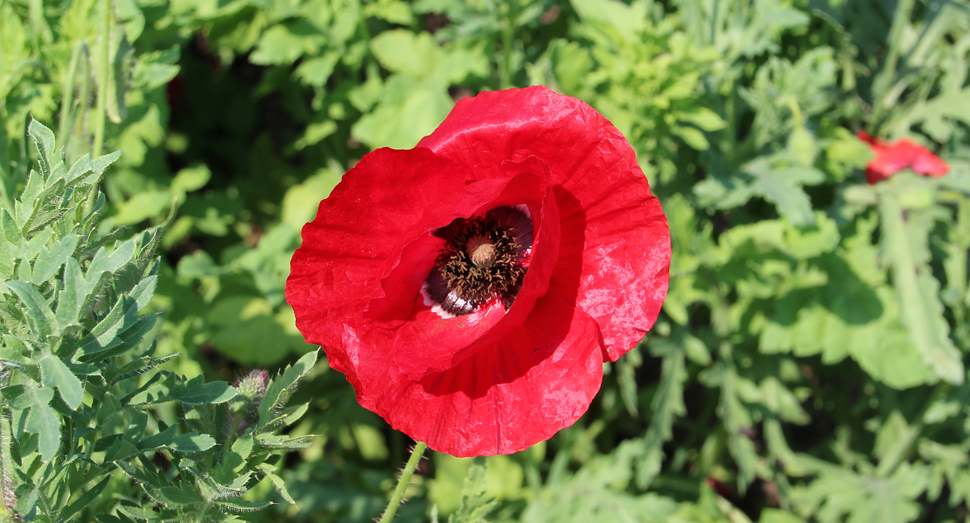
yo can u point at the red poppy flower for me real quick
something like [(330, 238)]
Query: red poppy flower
[(901, 154), (472, 287)]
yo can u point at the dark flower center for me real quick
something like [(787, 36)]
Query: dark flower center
[(482, 259)]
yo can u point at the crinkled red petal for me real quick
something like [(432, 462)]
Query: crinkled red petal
[(611, 223), (345, 275), (506, 397)]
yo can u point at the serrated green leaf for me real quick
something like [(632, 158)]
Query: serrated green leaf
[(280, 386), (99, 164), (838, 493), (38, 312), (626, 20), (70, 296), (122, 316), (81, 167), (137, 367), (175, 496), (44, 140), (55, 374), (164, 438), (42, 420), (197, 392), (473, 506), (916, 288), (119, 451), (273, 441), (49, 261), (285, 43), (12, 350), (243, 446), (668, 402), (105, 263), (26, 204), (193, 442), (280, 486), (407, 53), (140, 513), (10, 229), (242, 505)]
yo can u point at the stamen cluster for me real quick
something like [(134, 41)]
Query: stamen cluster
[(475, 278)]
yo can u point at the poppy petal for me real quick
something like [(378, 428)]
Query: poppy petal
[(507, 396), (368, 228), (625, 241)]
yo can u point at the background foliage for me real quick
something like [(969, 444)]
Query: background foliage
[(809, 364)]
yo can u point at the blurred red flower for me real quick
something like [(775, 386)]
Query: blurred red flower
[(901, 154), (472, 287)]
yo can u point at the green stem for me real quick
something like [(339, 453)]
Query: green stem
[(402, 483), (508, 37), (83, 95), (881, 85), (103, 79), (64, 131), (7, 497), (231, 433)]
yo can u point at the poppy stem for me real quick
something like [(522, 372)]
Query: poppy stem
[(104, 76), (402, 483)]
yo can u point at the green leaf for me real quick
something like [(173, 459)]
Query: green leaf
[(48, 261), (140, 513), (243, 446), (177, 497), (197, 392), (474, 505), (802, 147), (164, 438), (838, 493), (317, 70), (668, 402), (280, 486), (917, 290), (38, 312), (772, 515), (44, 140), (394, 11), (407, 53), (279, 388), (409, 109), (892, 431), (193, 442), (285, 43), (242, 505), (84, 500), (55, 374), (122, 316), (273, 441), (142, 206), (692, 137), (42, 420), (190, 179), (627, 21), (70, 296)]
